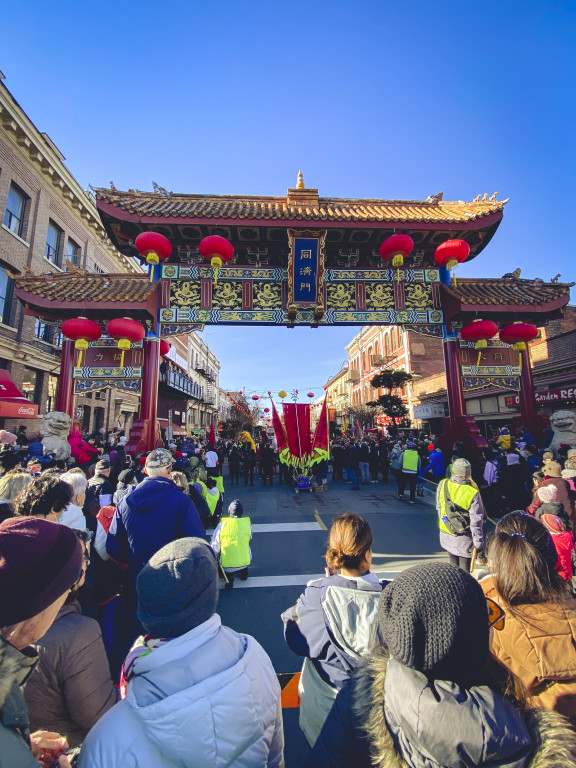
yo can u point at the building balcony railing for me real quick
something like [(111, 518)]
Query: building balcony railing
[(182, 383)]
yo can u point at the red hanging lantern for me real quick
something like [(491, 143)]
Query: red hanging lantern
[(479, 331), (451, 253), (126, 332), (395, 248), (82, 331), (255, 397), (518, 334), (153, 246), (165, 347), (310, 394), (266, 410), (217, 250)]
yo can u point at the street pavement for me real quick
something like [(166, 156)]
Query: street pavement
[(288, 544)]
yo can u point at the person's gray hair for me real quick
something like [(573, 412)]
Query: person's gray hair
[(77, 481)]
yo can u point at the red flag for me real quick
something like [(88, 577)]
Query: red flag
[(321, 444), (280, 433), (297, 425)]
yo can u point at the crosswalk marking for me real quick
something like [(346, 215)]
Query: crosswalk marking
[(285, 527)]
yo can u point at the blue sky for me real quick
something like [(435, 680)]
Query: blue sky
[(369, 99)]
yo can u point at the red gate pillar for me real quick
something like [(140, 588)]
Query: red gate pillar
[(458, 427), (65, 397), (453, 380), (145, 432), (528, 412)]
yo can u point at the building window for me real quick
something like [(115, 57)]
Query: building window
[(42, 331), (400, 336), (394, 345), (53, 238), (98, 269), (15, 208), (5, 296), (32, 385), (72, 252), (51, 395)]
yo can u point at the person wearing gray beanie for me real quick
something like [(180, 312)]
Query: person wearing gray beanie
[(431, 696), (460, 515), (195, 693), (231, 543)]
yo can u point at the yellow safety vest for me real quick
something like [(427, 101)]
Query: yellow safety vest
[(460, 494), (204, 488), (220, 483), (212, 501), (410, 461), (235, 542)]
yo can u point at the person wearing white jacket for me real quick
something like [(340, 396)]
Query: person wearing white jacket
[(196, 693)]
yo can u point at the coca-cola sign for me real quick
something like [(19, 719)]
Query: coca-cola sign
[(18, 410)]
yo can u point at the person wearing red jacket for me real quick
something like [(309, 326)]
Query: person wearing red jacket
[(563, 541), (88, 452)]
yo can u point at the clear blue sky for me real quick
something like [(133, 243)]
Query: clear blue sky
[(369, 99)]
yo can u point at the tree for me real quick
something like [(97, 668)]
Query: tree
[(392, 379), (391, 405), (240, 419), (362, 414)]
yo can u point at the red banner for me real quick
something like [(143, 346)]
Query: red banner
[(279, 431), (297, 425), (321, 446)]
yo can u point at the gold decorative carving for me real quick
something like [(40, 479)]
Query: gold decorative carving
[(227, 295), (341, 296), (267, 296), (418, 296), (185, 293), (379, 296)]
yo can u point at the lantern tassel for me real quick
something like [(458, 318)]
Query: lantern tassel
[(79, 363), (520, 362), (122, 359), (479, 358)]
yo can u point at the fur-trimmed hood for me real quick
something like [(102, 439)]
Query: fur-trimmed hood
[(535, 739)]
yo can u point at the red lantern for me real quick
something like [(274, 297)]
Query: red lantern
[(165, 347), (451, 253), (154, 246), (217, 250), (479, 331), (125, 331), (255, 397), (310, 394), (395, 248), (266, 410), (82, 331), (518, 334)]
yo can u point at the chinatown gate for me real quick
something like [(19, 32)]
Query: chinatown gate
[(299, 260)]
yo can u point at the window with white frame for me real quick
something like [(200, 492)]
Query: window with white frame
[(15, 209), (72, 252), (5, 296), (53, 239)]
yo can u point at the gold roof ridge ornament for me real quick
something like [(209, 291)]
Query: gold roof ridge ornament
[(300, 183)]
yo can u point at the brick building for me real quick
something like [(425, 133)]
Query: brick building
[(49, 225)]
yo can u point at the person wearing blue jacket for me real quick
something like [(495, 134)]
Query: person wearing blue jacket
[(153, 515)]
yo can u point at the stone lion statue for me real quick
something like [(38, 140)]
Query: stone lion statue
[(55, 428), (564, 425)]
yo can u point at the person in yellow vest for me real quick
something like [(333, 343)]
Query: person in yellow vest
[(231, 543), (410, 466), (460, 515)]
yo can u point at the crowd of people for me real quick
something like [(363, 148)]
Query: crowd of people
[(112, 652)]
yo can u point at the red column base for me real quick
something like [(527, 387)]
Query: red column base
[(144, 436), (463, 429)]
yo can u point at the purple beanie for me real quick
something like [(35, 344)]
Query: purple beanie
[(39, 562)]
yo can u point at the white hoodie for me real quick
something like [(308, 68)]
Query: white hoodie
[(209, 698)]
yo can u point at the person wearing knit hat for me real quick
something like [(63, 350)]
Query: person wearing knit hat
[(231, 543), (40, 562), (569, 473), (564, 496), (426, 698), (460, 514), (537, 639), (194, 692), (7, 438)]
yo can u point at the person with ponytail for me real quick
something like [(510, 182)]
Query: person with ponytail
[(333, 624), (537, 637)]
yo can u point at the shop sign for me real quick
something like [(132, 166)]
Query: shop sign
[(429, 411), (552, 396)]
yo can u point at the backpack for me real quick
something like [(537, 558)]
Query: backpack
[(456, 518)]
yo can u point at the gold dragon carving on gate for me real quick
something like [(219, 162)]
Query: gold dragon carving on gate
[(341, 296), (418, 296), (227, 295), (267, 296), (184, 294), (379, 296)]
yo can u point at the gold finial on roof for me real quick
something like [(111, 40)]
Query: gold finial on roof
[(300, 182)]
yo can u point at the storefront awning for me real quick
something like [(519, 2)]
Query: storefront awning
[(12, 401)]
